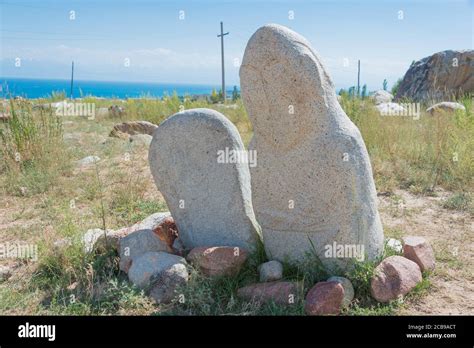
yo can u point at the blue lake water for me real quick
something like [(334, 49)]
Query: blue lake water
[(38, 88)]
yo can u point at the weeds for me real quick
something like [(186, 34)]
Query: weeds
[(461, 201), (32, 150)]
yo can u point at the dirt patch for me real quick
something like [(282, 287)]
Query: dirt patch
[(451, 234)]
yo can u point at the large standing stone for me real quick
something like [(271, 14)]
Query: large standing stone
[(313, 182), (210, 201)]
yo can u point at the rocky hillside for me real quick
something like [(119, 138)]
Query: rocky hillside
[(439, 76)]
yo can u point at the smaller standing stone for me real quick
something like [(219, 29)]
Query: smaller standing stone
[(419, 251), (325, 298), (164, 285), (200, 166), (218, 261), (348, 289), (149, 266), (270, 271), (283, 293), (393, 277)]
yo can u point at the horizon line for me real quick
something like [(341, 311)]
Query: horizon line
[(119, 81)]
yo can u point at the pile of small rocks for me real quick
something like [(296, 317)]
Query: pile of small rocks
[(155, 260), (397, 275)]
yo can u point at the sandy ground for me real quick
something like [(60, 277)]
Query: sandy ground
[(451, 234)]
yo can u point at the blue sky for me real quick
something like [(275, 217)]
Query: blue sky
[(161, 47)]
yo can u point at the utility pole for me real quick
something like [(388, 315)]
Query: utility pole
[(222, 58), (358, 78), (72, 81)]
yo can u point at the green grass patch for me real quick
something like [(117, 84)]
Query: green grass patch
[(461, 201)]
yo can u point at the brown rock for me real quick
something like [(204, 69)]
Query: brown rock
[(280, 292), (324, 298), (116, 111), (393, 277), (440, 75), (125, 129), (419, 251), (167, 231), (218, 261)]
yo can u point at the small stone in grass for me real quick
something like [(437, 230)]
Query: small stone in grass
[(218, 261), (164, 285), (394, 277), (270, 271), (419, 251), (325, 298), (283, 293), (348, 289)]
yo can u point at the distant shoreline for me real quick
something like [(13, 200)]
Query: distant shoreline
[(43, 88)]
